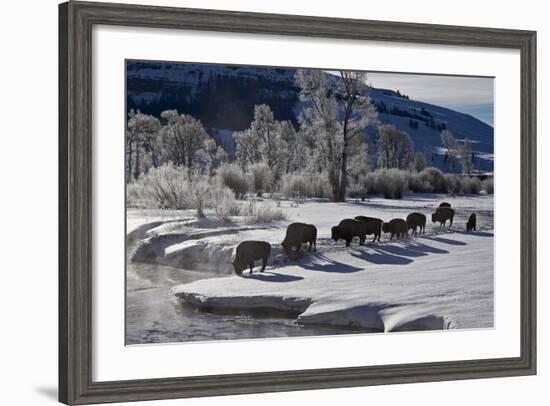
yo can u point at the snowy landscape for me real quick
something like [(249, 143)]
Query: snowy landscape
[(307, 147)]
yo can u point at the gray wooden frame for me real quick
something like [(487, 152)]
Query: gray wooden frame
[(75, 179)]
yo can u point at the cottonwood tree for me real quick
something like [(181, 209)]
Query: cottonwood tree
[(268, 131), (289, 154), (263, 142), (451, 145), (420, 162), (141, 130), (247, 148), (467, 157), (395, 148), (185, 137), (346, 97)]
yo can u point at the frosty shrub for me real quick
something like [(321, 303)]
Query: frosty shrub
[(471, 185), (165, 187), (232, 176), (261, 213), (298, 185), (420, 184), (262, 178), (429, 180), (224, 203), (294, 186), (392, 183), (488, 186), (200, 191), (454, 185)]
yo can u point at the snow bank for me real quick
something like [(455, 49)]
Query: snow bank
[(432, 282)]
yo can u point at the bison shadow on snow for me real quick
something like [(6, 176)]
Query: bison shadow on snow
[(270, 276), (475, 233), (328, 265), (396, 254), (445, 240)]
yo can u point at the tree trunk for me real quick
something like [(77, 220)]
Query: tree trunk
[(130, 154), (136, 168)]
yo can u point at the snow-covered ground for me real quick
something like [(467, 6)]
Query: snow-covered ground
[(441, 280)]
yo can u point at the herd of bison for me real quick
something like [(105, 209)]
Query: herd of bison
[(248, 252)]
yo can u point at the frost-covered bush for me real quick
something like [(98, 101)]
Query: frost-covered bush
[(392, 183), (261, 177), (294, 185), (471, 185), (429, 180), (454, 186), (165, 187), (232, 176), (298, 185), (488, 186), (457, 184), (224, 203), (261, 213)]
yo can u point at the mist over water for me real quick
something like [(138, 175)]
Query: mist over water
[(154, 315)]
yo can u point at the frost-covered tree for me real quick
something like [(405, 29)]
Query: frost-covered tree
[(185, 137), (358, 114), (141, 130), (211, 156), (467, 157), (420, 162), (451, 145), (395, 148), (289, 154), (263, 142), (247, 148), (339, 113), (268, 130)]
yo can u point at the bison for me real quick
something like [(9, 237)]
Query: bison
[(416, 220), (396, 227), (442, 214), (298, 234), (471, 224), (249, 251), (374, 226), (445, 204), (349, 228)]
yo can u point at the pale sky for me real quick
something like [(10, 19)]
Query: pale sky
[(471, 95)]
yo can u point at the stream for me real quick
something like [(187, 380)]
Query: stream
[(154, 315)]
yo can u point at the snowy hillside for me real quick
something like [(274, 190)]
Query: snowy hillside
[(223, 98)]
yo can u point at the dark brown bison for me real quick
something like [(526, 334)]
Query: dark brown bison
[(296, 235), (349, 228), (471, 224), (416, 220), (445, 204), (396, 227), (374, 226), (442, 214), (248, 252)]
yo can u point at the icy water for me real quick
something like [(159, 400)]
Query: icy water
[(154, 315)]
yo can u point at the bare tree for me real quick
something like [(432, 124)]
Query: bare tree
[(451, 145), (467, 157)]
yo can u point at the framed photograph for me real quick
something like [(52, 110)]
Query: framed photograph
[(260, 202)]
